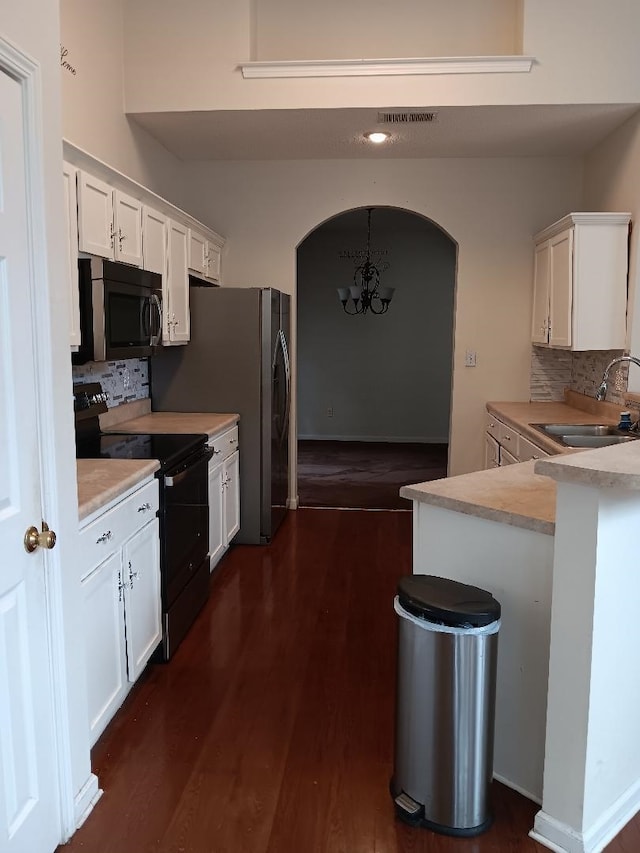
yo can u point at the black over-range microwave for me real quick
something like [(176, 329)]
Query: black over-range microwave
[(120, 311)]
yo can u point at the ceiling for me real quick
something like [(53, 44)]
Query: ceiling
[(318, 134)]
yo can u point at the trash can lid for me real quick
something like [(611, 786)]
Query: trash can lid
[(447, 602)]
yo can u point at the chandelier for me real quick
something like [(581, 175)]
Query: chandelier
[(366, 294)]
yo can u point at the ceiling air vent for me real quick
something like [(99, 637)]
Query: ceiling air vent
[(406, 118)]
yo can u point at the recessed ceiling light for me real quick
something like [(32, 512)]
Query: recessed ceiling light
[(377, 137)]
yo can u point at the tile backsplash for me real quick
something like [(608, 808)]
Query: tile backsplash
[(124, 381), (554, 370), (550, 373)]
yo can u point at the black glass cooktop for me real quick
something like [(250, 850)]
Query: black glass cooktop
[(169, 449)]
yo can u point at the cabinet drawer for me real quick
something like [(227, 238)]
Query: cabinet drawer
[(528, 450), (507, 458), (493, 425), (508, 438), (224, 444), (112, 528)]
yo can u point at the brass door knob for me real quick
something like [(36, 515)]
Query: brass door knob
[(35, 538)]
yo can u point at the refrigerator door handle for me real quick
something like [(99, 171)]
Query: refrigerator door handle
[(287, 373)]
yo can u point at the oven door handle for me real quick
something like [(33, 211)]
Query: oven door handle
[(175, 479)]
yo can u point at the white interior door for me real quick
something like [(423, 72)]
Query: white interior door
[(29, 815)]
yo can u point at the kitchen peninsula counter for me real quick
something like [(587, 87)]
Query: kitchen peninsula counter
[(513, 494), (101, 481)]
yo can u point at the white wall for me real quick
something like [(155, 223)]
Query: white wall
[(612, 182), (33, 26), (491, 208), (385, 377), (93, 98), (306, 29), (185, 56)]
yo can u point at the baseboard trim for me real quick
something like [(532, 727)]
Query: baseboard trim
[(504, 781), (86, 799), (561, 838), (387, 439)]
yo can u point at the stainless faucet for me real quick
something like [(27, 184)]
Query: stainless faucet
[(602, 390)]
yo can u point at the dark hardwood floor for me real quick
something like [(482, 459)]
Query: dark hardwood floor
[(365, 474), (271, 730)]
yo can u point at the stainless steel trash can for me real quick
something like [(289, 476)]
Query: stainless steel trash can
[(445, 704)]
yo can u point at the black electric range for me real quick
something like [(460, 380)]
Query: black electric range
[(184, 505), (168, 449)]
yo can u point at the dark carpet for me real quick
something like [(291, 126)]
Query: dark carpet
[(363, 474)]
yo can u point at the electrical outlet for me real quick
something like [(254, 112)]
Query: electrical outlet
[(329, 411), (470, 358)]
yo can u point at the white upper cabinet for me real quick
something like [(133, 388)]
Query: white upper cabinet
[(116, 218), (580, 282), (212, 272), (154, 241), (71, 221), (540, 318), (95, 216), (128, 229), (109, 221), (204, 256), (197, 253), (175, 287), (561, 286)]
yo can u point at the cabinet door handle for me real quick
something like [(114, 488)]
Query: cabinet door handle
[(104, 538), (112, 235), (121, 236), (132, 575), (121, 585)]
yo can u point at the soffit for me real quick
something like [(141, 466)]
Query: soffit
[(318, 134)]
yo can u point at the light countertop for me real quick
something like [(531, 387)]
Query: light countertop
[(615, 467), (513, 494), (523, 495), (209, 423), (102, 480)]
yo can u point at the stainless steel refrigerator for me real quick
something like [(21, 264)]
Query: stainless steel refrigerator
[(238, 361)]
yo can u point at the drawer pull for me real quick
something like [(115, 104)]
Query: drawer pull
[(104, 538), (507, 438), (215, 452), (233, 441), (144, 507)]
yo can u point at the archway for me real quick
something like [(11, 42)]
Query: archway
[(373, 392)]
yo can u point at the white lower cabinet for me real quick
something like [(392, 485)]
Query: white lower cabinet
[(504, 445), (224, 494), (122, 609), (104, 643), (217, 545)]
